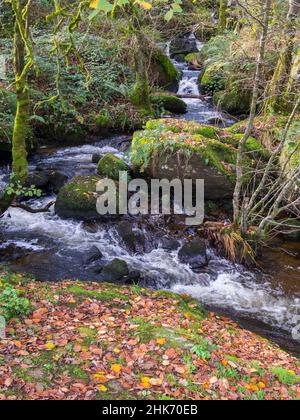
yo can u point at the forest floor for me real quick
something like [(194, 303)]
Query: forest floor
[(107, 342)]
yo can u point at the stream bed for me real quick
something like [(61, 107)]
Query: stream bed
[(266, 301)]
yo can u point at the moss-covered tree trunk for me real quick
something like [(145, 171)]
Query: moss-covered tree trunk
[(141, 90), (22, 64), (276, 93), (21, 123), (223, 15)]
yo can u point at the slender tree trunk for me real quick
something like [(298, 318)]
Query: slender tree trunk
[(237, 205), (280, 80), (223, 15)]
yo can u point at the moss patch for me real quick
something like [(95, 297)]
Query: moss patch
[(110, 165)]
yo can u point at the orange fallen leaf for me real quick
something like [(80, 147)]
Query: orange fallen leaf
[(116, 368)]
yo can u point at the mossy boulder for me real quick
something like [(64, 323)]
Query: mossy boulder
[(166, 74), (77, 199), (186, 150), (115, 271), (236, 101), (169, 103), (212, 80), (110, 165)]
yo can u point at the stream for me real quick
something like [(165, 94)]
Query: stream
[(42, 244)]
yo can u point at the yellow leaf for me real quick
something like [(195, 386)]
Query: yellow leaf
[(145, 5), (261, 385), (116, 368), (94, 4), (117, 351), (161, 341), (50, 346), (101, 379), (102, 388), (145, 381)]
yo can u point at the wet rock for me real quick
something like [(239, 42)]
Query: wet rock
[(133, 240), (57, 180), (115, 271), (124, 146), (133, 278), (183, 45), (170, 244), (39, 179), (194, 254), (93, 255), (95, 158), (46, 180)]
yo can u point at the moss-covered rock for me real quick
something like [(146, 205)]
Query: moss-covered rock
[(212, 80), (187, 150), (110, 165), (234, 101), (169, 103), (77, 199), (165, 73), (194, 60)]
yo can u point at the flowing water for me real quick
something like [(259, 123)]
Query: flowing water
[(53, 249)]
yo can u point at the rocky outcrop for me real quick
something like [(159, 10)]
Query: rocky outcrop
[(183, 46)]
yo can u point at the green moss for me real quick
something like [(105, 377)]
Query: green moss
[(234, 101), (110, 166), (168, 73), (286, 377), (77, 198), (169, 103), (103, 296), (213, 79), (207, 131)]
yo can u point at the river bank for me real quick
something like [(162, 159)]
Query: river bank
[(91, 341)]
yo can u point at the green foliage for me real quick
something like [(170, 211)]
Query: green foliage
[(12, 305), (203, 350), (286, 377), (16, 188)]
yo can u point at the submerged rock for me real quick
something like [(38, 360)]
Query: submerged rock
[(115, 271), (133, 240), (95, 158), (170, 244), (93, 255), (194, 254)]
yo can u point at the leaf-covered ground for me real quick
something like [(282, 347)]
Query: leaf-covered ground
[(98, 341)]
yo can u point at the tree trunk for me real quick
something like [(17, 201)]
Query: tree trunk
[(237, 205), (223, 15), (21, 124), (278, 86)]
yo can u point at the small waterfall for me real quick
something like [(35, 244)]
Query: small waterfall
[(189, 85)]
